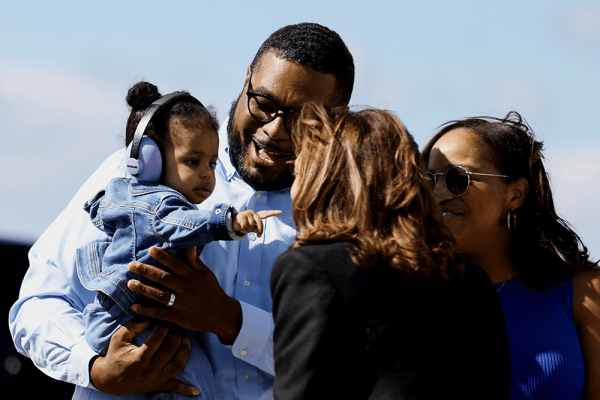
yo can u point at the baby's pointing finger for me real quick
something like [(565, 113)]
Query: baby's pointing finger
[(259, 224), (269, 213)]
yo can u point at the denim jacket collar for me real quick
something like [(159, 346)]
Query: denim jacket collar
[(137, 189)]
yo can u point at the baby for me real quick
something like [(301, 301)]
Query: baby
[(173, 167)]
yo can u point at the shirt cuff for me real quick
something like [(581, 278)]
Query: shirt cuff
[(79, 364), (254, 337)]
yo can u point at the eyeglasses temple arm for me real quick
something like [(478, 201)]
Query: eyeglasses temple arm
[(479, 173)]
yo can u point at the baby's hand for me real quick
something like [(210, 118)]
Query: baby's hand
[(250, 221)]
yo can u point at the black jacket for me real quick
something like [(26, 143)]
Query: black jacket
[(346, 333)]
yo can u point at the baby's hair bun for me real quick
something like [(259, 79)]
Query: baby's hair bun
[(141, 95)]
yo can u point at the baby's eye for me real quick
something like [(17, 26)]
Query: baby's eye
[(213, 164), (193, 162)]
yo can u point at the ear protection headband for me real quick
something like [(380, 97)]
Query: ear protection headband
[(145, 158)]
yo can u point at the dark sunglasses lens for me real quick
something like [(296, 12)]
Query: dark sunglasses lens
[(457, 181), (261, 108)]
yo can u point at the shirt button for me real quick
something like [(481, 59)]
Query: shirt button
[(80, 379), (246, 283), (218, 211), (246, 376), (252, 236), (244, 352), (258, 195)]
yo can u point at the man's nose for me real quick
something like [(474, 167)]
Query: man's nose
[(276, 129)]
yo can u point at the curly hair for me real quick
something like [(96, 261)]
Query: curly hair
[(315, 46), (142, 94), (544, 248), (362, 180)]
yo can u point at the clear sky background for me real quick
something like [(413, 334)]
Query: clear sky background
[(65, 67)]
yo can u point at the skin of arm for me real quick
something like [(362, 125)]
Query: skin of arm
[(586, 311)]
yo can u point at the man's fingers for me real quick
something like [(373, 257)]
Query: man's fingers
[(153, 293), (194, 261), (151, 312), (190, 255), (154, 340), (176, 362), (153, 273), (176, 265), (127, 332), (269, 213), (173, 385), (167, 351)]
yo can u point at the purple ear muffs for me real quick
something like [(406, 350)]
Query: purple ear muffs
[(148, 166), (145, 160)]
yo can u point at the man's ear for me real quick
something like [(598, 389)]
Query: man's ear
[(520, 190), (247, 78)]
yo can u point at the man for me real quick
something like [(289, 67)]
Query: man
[(231, 305)]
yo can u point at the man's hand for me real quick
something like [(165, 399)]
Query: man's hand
[(200, 302), (127, 368)]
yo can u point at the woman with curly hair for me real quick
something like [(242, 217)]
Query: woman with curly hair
[(493, 189), (371, 301)]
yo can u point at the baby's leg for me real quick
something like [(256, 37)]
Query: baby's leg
[(197, 371), (102, 318)]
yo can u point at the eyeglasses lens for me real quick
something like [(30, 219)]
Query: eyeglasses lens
[(262, 108), (456, 180)]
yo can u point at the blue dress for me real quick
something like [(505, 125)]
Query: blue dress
[(546, 357)]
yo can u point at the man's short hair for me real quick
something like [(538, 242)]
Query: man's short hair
[(315, 46)]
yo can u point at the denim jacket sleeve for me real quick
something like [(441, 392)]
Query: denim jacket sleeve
[(92, 206), (180, 225)]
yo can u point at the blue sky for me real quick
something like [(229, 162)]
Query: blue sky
[(65, 67)]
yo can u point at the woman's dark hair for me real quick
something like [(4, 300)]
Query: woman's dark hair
[(545, 249), (190, 115), (363, 180)]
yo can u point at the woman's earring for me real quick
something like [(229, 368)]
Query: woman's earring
[(511, 219)]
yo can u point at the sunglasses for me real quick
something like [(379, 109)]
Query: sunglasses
[(457, 179)]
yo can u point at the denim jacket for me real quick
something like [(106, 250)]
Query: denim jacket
[(136, 216)]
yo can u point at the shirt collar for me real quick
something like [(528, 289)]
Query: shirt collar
[(224, 157)]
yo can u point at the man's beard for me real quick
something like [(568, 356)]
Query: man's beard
[(237, 150)]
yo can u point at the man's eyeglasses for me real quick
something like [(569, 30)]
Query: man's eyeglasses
[(457, 179), (265, 110)]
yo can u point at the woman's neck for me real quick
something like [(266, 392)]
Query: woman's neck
[(497, 264)]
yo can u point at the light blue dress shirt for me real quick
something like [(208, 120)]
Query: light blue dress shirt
[(47, 321)]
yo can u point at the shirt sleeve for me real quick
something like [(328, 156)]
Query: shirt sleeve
[(254, 343), (46, 322)]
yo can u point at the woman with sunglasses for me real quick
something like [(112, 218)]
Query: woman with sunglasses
[(495, 196), (372, 301)]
